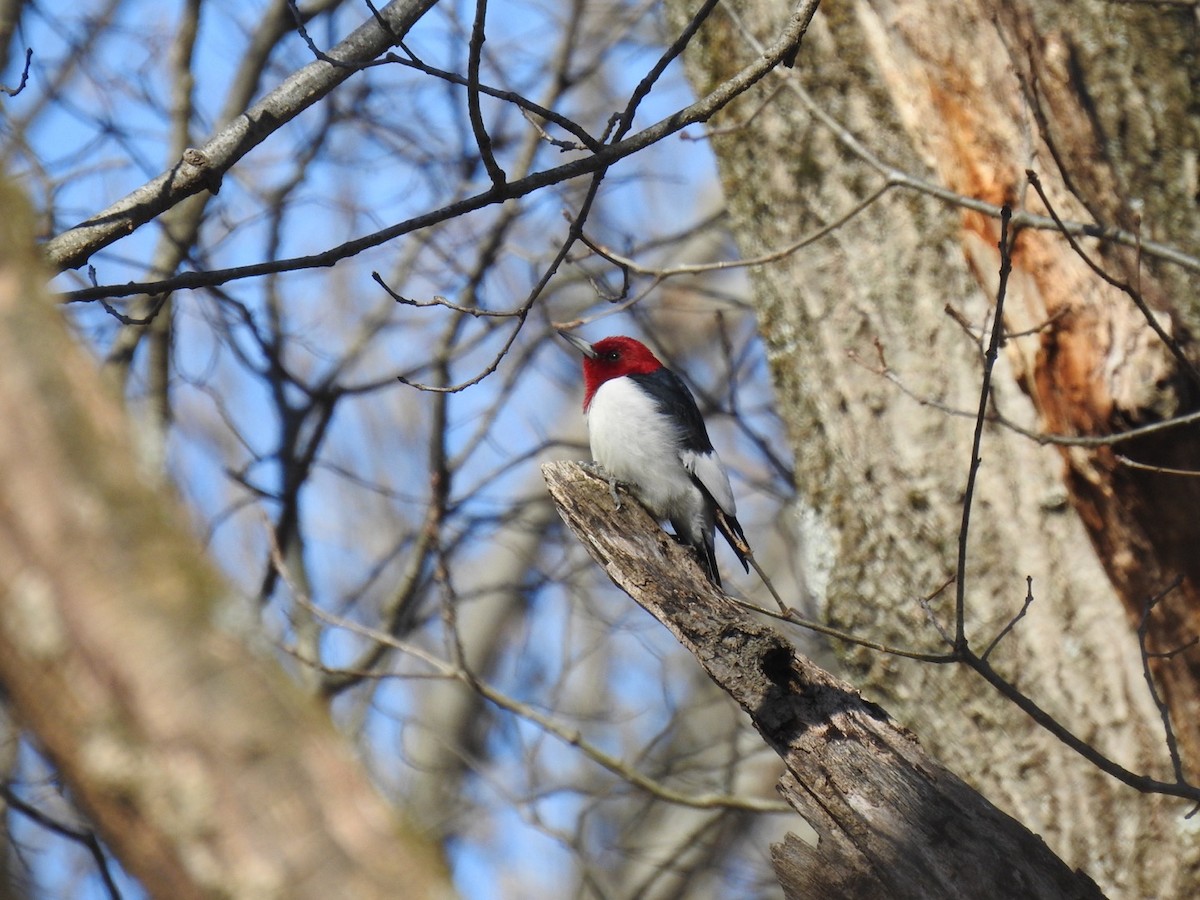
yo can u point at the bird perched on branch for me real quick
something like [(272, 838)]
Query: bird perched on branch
[(647, 433)]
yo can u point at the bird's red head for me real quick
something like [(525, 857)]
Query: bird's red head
[(609, 358)]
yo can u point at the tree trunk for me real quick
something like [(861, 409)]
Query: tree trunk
[(869, 361), (205, 768)]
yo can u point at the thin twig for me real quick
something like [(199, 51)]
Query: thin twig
[(482, 139), (745, 262), (743, 548), (1164, 711), (960, 635), (926, 603), (1041, 437), (131, 320), (526, 106), (12, 92), (443, 303), (791, 617), (1161, 470), (85, 838), (1012, 623)]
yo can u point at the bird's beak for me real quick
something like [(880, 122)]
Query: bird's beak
[(579, 344)]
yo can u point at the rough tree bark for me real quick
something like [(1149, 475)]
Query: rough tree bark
[(204, 767), (1098, 98), (891, 822)]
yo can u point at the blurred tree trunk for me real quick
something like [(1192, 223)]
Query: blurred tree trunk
[(1098, 98), (205, 768)]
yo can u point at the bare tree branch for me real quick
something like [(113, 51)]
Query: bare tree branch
[(202, 168), (73, 247)]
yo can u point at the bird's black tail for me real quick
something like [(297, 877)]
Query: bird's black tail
[(731, 529), (706, 549)]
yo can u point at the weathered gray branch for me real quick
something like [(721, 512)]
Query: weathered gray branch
[(891, 821)]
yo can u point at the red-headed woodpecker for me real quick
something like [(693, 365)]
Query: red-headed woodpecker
[(647, 433)]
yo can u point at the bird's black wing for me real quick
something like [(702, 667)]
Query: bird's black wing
[(673, 399), (696, 451)]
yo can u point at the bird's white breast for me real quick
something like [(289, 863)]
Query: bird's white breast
[(638, 445)]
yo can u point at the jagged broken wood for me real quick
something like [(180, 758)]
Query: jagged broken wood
[(891, 821)]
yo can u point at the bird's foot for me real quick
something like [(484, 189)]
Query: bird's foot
[(612, 489), (598, 470)]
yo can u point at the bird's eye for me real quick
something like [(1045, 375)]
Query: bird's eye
[(612, 355)]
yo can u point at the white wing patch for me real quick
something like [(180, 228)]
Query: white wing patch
[(710, 472)]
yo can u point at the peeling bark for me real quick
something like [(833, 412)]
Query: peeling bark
[(1094, 365)]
